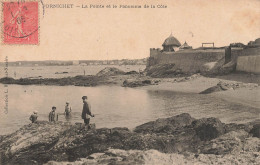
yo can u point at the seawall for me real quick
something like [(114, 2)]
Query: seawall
[(248, 60), (190, 61), (210, 60)]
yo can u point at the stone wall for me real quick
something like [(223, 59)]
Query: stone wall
[(210, 60), (190, 61), (245, 52), (248, 64), (248, 60)]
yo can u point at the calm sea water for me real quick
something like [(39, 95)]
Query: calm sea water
[(57, 71), (114, 106)]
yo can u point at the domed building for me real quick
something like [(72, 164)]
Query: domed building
[(185, 46), (170, 43)]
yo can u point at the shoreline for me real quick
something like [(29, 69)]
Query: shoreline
[(247, 92), (249, 96)]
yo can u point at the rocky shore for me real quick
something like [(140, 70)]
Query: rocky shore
[(107, 76), (178, 139), (152, 76)]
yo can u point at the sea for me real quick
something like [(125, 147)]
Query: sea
[(113, 106)]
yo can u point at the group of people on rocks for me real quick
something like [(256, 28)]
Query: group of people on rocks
[(53, 115)]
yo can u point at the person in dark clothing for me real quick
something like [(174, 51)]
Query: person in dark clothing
[(34, 117), (86, 111), (53, 116)]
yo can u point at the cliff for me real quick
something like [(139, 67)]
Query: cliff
[(183, 137)]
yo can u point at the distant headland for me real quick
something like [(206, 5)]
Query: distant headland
[(77, 62)]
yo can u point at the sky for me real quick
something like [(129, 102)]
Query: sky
[(106, 34)]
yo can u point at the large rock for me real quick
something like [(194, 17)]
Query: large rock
[(168, 125), (29, 143), (208, 128), (153, 157), (228, 143), (110, 71), (136, 83), (164, 70), (43, 141), (219, 87), (256, 130)]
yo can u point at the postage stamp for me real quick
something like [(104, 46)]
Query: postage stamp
[(20, 22)]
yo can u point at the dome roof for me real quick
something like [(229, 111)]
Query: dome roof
[(171, 41), (185, 46)]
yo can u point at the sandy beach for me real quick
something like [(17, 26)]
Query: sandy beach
[(248, 94)]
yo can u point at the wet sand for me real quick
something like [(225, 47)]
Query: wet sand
[(248, 95)]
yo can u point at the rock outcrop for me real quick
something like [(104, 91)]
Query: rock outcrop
[(138, 83), (223, 86), (168, 125), (183, 135), (77, 81), (256, 130), (110, 71), (164, 70)]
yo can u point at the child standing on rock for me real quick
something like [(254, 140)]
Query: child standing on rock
[(34, 117), (86, 111), (53, 116)]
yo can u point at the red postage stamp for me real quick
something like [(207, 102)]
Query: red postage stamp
[(20, 22)]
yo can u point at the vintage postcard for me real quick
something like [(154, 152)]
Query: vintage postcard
[(136, 82)]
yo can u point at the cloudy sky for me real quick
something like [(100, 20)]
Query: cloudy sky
[(103, 34)]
